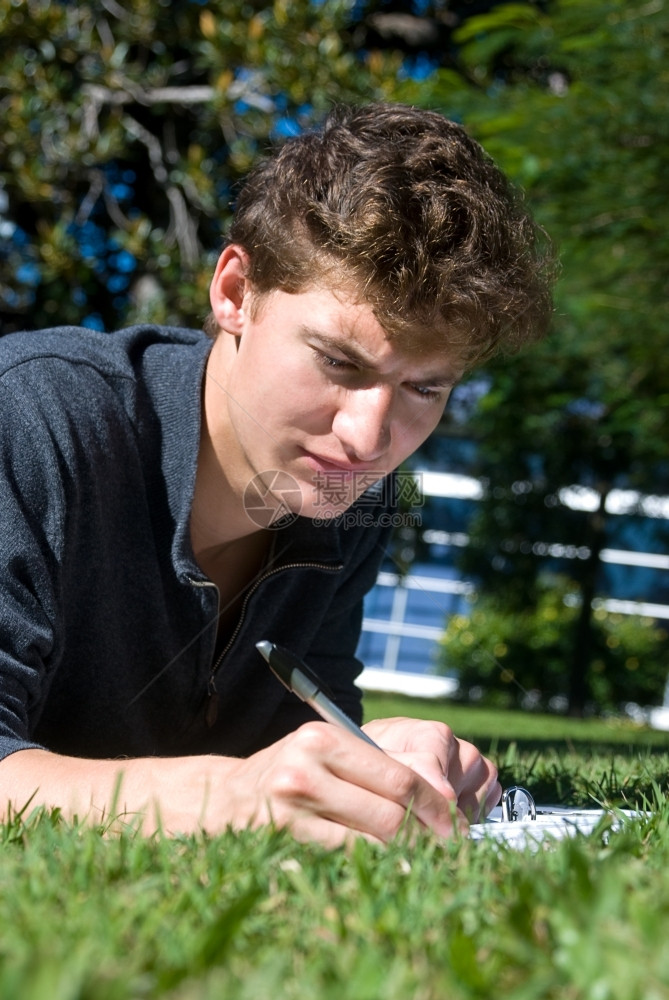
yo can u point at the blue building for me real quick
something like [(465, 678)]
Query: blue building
[(405, 616)]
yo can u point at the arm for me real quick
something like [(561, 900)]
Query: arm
[(320, 782), (452, 766), (430, 749)]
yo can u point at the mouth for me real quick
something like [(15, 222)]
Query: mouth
[(321, 464)]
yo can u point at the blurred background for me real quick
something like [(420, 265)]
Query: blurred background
[(534, 568)]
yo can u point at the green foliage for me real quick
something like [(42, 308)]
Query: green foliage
[(569, 99), (516, 658), (124, 134), (125, 131), (579, 121), (256, 915)]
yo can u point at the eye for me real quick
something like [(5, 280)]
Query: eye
[(427, 392), (336, 364)]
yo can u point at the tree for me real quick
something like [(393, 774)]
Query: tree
[(123, 134), (570, 101), (516, 656)]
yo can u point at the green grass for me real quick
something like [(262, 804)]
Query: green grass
[(88, 916), (502, 727), (579, 762)]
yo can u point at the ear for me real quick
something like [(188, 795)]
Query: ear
[(230, 289)]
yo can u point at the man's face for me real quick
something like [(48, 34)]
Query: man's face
[(316, 390)]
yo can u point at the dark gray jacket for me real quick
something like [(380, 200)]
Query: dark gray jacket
[(107, 624)]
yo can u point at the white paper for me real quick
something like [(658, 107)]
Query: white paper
[(552, 823)]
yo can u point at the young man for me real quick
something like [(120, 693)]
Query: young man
[(370, 264)]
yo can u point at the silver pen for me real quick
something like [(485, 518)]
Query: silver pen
[(302, 681)]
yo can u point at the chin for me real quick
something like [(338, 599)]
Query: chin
[(324, 512)]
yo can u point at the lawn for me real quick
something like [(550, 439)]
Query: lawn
[(561, 760), (89, 916), (490, 725)]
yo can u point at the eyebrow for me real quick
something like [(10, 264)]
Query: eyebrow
[(358, 358), (349, 352)]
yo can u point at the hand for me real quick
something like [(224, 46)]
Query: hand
[(431, 749), (326, 785), (320, 781)]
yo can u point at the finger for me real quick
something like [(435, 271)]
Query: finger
[(474, 779), (395, 787), (402, 734), (307, 828), (338, 777), (294, 784), (493, 797), (448, 764), (430, 767)]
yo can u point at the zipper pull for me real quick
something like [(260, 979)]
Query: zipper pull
[(211, 705)]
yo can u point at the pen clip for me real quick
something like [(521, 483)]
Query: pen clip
[(287, 667), (314, 679)]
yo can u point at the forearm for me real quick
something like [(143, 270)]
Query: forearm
[(173, 794), (321, 782)]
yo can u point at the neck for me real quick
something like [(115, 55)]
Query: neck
[(218, 517)]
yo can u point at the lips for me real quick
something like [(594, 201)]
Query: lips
[(322, 464)]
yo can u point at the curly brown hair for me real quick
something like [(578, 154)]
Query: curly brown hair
[(406, 210)]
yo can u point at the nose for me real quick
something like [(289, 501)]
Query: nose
[(363, 423)]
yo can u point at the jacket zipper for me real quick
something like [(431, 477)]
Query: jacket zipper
[(211, 704)]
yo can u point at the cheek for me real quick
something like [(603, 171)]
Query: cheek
[(415, 429), (294, 397), (305, 391)]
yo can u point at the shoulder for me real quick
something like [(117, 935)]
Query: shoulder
[(118, 354), (74, 370)]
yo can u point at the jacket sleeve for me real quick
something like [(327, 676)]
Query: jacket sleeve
[(30, 509)]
